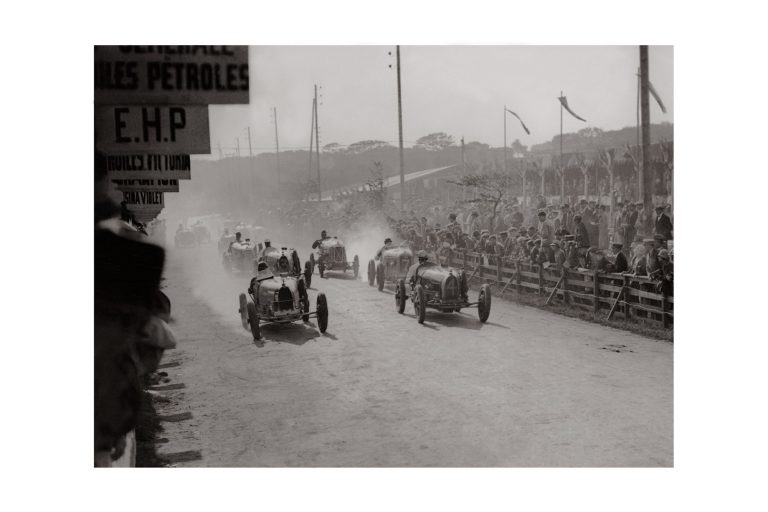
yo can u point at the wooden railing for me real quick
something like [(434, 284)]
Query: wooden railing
[(601, 292)]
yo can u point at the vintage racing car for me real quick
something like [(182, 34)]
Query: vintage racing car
[(185, 238), (332, 255), (240, 257), (202, 235), (444, 289), (286, 261), (278, 299), (391, 266)]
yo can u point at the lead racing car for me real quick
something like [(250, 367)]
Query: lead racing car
[(390, 264), (285, 260), (332, 255), (436, 287), (278, 299)]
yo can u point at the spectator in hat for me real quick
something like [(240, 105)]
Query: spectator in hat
[(663, 224), (582, 235), (558, 255), (602, 226), (619, 261), (545, 228), (664, 274)]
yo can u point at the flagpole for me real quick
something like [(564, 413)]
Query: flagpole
[(562, 169), (505, 139)]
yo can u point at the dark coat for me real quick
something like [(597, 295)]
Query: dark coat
[(663, 226)]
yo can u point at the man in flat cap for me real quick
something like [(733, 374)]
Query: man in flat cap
[(619, 263)]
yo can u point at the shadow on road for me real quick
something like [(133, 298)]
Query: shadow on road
[(297, 333)]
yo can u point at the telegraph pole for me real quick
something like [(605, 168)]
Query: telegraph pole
[(237, 140), (400, 128), (562, 168), (646, 180), (463, 155), (317, 148), (277, 145), (311, 137), (250, 149)]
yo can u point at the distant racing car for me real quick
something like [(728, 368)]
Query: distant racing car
[(332, 255)]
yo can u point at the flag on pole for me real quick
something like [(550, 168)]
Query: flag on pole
[(564, 103), (657, 97), (521, 121)]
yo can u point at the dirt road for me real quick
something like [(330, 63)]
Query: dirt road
[(528, 388)]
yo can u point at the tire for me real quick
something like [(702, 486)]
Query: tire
[(303, 300), (371, 272), (296, 263), (380, 277), (400, 296), (484, 303), (356, 266), (312, 259), (308, 274), (253, 320), (243, 311), (419, 304), (322, 312)]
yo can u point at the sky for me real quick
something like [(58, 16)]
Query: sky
[(460, 90)]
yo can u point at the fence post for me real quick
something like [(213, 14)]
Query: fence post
[(627, 295), (517, 276), (664, 319), (541, 279), (499, 277), (596, 292), (566, 297)]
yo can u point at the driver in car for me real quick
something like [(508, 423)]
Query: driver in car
[(413, 272), (323, 236), (387, 245)]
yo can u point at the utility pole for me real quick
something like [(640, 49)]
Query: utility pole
[(317, 148), (250, 149), (646, 181), (221, 155), (311, 137), (237, 140), (277, 146), (505, 139), (400, 128), (463, 155)]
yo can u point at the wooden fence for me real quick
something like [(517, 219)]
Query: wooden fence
[(600, 292)]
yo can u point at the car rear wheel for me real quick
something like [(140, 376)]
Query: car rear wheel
[(303, 300), (356, 266), (484, 303), (253, 320), (321, 269), (243, 311), (312, 259), (400, 296), (419, 303), (322, 312), (380, 276), (371, 272)]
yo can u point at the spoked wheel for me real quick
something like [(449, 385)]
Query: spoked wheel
[(484, 303), (463, 285), (312, 260), (371, 272), (400, 296), (380, 277), (356, 265), (253, 320), (243, 311), (419, 303), (303, 300), (308, 274), (322, 312)]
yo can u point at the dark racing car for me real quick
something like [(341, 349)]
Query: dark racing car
[(436, 287)]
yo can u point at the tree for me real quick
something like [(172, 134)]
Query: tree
[(491, 188), (333, 147), (435, 141), (375, 186), (366, 145), (518, 148)]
